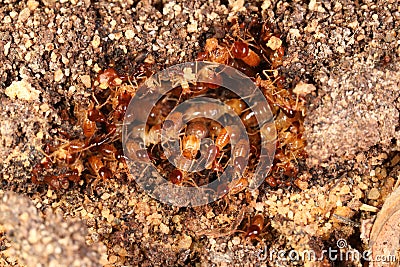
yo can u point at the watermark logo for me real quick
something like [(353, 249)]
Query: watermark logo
[(159, 88), (340, 253), (341, 243)]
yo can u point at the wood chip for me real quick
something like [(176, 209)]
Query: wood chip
[(366, 207)]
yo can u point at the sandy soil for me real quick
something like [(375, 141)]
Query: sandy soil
[(50, 53)]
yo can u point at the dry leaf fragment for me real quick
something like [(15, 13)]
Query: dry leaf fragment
[(385, 235)]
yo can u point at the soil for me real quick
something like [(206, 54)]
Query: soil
[(51, 51)]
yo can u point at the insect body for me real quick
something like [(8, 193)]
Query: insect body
[(190, 146), (242, 51), (255, 228)]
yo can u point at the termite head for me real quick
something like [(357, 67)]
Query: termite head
[(107, 78), (266, 32), (240, 50), (237, 105), (176, 177), (134, 151), (197, 128), (173, 124), (255, 228)]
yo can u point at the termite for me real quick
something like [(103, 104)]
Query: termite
[(255, 228), (98, 168), (240, 155), (223, 138), (172, 125), (181, 174), (198, 128), (190, 146), (241, 50)]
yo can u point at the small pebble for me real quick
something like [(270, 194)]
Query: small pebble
[(374, 194)]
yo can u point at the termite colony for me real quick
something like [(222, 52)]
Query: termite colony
[(257, 50), (252, 47), (96, 153), (182, 158)]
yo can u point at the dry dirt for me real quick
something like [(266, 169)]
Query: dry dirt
[(50, 52)]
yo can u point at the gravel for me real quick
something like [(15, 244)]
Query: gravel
[(50, 53)]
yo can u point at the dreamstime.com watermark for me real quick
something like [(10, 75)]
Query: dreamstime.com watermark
[(333, 254), (157, 88)]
